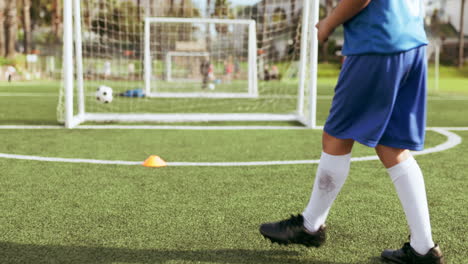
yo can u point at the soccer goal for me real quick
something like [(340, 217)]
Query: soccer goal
[(196, 61), (191, 62), (182, 67)]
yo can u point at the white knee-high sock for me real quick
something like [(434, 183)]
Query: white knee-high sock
[(409, 184), (331, 175)]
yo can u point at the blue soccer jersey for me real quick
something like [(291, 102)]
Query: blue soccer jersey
[(385, 27)]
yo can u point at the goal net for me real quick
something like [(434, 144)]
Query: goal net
[(181, 67), (187, 67), (189, 61)]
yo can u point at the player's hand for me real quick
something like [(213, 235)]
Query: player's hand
[(324, 30)]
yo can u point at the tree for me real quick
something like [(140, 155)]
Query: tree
[(462, 35), (208, 15), (222, 10), (57, 22), (279, 17), (115, 21), (171, 8), (296, 34), (138, 10), (293, 7), (182, 8), (41, 13), (2, 27), (328, 9), (208, 8), (294, 16), (27, 25), (11, 29), (263, 20)]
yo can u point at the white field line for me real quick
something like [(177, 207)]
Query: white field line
[(452, 141), (28, 94), (69, 160), (436, 98), (449, 128), (26, 127)]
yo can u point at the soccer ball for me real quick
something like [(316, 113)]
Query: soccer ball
[(211, 86), (104, 94)]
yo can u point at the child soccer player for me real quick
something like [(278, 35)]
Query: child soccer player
[(380, 101), (205, 69)]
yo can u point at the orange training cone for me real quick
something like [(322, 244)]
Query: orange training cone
[(154, 162)]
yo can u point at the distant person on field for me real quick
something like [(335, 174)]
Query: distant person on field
[(10, 72), (266, 72), (205, 71), (131, 69), (107, 68), (380, 101), (228, 71), (274, 73), (236, 69), (211, 73)]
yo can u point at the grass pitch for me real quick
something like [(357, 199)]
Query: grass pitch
[(84, 213)]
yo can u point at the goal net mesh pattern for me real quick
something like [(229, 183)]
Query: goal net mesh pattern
[(113, 54)]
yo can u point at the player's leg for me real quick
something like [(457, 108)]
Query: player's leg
[(408, 179), (330, 177), (349, 120), (205, 81), (405, 130), (409, 184), (391, 156), (309, 228), (336, 146), (360, 109)]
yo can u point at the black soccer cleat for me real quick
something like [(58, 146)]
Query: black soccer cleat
[(407, 255), (292, 231)]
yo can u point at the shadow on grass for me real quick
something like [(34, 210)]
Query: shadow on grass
[(13, 253)]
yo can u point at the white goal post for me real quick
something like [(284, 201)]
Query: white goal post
[(94, 40)]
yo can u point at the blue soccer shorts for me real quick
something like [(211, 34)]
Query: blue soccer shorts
[(381, 100)]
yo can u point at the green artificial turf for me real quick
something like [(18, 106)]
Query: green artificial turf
[(175, 145), (444, 106), (84, 213)]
